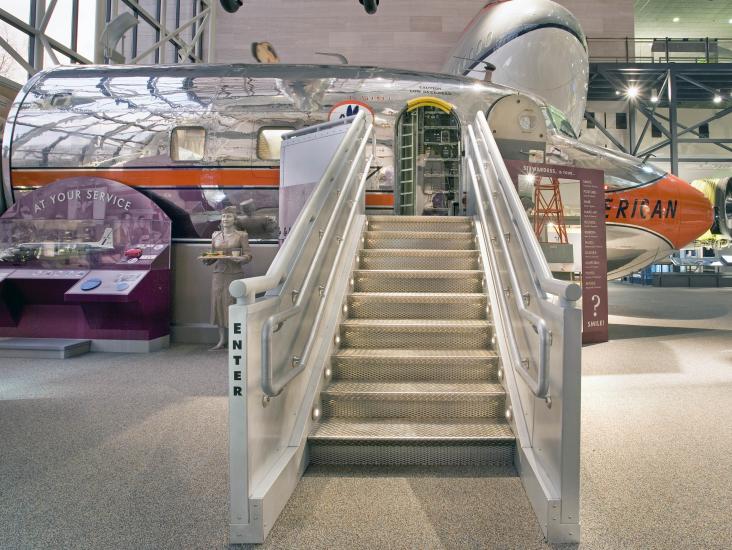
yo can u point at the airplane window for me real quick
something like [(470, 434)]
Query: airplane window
[(187, 143), (269, 142), (560, 122)]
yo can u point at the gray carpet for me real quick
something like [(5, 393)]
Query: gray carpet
[(130, 451), (114, 451)]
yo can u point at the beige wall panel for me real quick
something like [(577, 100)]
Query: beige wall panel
[(403, 33)]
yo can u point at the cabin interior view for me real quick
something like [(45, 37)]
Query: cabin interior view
[(365, 274), (429, 160)]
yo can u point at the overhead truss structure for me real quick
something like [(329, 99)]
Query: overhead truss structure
[(656, 92), (125, 31)]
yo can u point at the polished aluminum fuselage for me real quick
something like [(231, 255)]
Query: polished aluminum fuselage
[(116, 123), (536, 46)]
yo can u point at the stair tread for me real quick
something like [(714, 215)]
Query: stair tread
[(413, 389), (426, 273), (448, 235), (419, 252), (437, 252), (421, 353), (408, 219), (435, 296), (398, 429), (424, 323)]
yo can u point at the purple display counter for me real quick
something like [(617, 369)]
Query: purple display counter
[(86, 258)]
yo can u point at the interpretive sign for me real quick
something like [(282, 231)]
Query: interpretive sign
[(547, 201), (306, 155)]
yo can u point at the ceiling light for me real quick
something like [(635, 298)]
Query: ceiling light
[(632, 92), (676, 20), (617, 92), (717, 98), (654, 96), (730, 21)]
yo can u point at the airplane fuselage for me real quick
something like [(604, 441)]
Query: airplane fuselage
[(231, 109)]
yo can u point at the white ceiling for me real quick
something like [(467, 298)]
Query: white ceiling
[(697, 18)]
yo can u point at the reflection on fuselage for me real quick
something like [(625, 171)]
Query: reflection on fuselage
[(90, 133)]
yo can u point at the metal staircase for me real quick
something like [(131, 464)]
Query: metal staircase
[(414, 371), (396, 340)]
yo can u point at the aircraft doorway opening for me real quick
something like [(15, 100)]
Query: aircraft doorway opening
[(428, 160)]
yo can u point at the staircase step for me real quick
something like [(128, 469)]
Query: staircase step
[(414, 365), (387, 259), (404, 430), (417, 280), (413, 400), (459, 224), (416, 305), (416, 333), (496, 455), (431, 240), (414, 378)]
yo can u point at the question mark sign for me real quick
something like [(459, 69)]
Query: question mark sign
[(595, 304)]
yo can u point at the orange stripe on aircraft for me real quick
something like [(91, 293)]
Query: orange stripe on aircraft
[(380, 199), (176, 177)]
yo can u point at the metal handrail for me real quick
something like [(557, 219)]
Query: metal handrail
[(545, 281), (275, 322), (540, 386), (351, 153), (642, 50), (245, 290), (568, 292)]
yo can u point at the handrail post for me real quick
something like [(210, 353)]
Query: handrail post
[(239, 516)]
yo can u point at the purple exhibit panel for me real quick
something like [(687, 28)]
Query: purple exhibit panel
[(85, 257)]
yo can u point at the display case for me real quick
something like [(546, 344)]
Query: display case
[(86, 258)]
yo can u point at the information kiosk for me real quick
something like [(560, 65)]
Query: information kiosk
[(86, 258)]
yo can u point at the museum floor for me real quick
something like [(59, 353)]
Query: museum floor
[(130, 451)]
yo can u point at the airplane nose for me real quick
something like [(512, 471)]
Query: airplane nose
[(695, 213)]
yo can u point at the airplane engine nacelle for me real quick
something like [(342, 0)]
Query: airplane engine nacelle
[(537, 46), (719, 193)]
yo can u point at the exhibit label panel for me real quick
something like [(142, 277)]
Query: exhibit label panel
[(567, 208)]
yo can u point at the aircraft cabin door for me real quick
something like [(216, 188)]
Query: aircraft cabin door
[(429, 159)]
